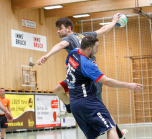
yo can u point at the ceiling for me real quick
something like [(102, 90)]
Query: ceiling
[(96, 8)]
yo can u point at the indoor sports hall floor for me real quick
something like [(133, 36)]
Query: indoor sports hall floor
[(136, 131)]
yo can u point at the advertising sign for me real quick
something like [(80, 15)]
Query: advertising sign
[(47, 107), (28, 40), (28, 23), (22, 110), (69, 121)]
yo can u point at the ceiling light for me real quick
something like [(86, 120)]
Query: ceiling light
[(53, 7), (81, 15), (104, 23)]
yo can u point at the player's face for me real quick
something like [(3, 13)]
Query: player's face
[(2, 91), (94, 49), (62, 31)]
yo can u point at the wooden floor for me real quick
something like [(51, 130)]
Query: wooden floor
[(136, 131)]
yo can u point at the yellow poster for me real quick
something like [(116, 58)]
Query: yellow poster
[(22, 109)]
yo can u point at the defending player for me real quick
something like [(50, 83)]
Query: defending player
[(90, 113)]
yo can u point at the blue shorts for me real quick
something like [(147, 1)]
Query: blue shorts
[(92, 117)]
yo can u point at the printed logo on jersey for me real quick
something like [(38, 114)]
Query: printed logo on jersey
[(80, 37), (73, 63), (75, 57)]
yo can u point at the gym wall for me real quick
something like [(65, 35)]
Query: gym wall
[(48, 75)]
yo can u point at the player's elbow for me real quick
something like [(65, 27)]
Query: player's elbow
[(61, 46), (107, 83)]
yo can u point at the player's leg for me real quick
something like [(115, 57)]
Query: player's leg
[(3, 126), (121, 134), (2, 133), (112, 134), (61, 91)]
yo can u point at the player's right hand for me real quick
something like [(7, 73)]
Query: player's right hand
[(42, 60), (116, 17), (9, 116)]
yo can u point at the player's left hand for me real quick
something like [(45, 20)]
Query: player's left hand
[(116, 17)]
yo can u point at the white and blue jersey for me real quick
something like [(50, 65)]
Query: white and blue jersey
[(90, 113)]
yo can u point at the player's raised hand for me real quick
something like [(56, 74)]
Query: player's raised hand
[(116, 17), (136, 87), (9, 116), (42, 60)]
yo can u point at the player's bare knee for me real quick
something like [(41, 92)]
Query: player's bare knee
[(59, 89)]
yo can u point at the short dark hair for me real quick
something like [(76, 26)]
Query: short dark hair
[(88, 41), (2, 88), (65, 21)]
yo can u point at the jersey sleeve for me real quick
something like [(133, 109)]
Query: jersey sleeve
[(90, 70), (90, 33)]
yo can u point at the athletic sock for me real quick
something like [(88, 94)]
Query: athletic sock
[(68, 108), (119, 132)]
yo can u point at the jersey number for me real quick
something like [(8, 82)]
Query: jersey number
[(70, 69)]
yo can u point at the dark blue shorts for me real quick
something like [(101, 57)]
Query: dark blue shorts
[(92, 117)]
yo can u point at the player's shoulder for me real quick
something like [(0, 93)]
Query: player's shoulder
[(69, 36), (85, 61)]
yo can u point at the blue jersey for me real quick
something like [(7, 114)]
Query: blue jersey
[(81, 76)]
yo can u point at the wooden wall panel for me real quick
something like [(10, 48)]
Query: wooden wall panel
[(51, 73)]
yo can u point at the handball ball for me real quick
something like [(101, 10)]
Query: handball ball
[(122, 21)]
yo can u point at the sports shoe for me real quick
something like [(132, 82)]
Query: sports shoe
[(64, 114), (124, 133)]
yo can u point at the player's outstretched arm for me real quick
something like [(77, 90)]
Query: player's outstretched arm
[(7, 113), (105, 29), (117, 84), (53, 51)]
